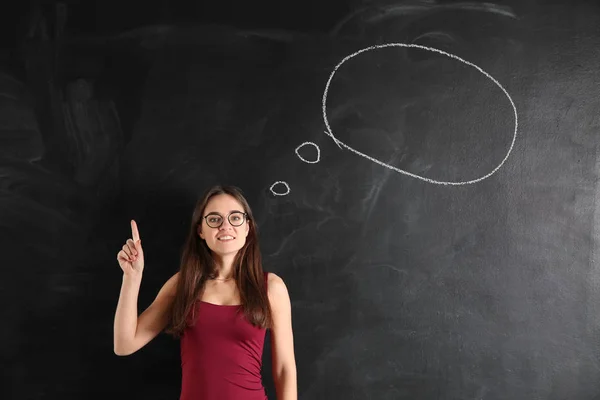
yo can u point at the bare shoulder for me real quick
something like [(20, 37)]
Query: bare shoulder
[(275, 282), (277, 290), (170, 285)]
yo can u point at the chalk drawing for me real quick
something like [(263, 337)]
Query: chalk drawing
[(287, 187), (340, 144), (304, 159), (316, 160)]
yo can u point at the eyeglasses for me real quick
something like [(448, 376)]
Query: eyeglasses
[(236, 218)]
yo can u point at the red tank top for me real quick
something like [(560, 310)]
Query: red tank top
[(221, 355)]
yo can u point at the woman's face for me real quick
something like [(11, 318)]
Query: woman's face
[(224, 225)]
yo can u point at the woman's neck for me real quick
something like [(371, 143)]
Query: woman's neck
[(224, 266)]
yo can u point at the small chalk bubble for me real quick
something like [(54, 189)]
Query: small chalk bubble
[(287, 187), (318, 158)]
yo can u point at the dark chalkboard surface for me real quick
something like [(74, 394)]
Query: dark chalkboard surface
[(454, 258)]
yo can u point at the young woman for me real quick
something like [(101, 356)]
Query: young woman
[(219, 304)]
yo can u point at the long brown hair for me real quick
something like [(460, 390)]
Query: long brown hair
[(198, 265)]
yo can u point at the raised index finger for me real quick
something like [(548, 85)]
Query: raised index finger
[(135, 234)]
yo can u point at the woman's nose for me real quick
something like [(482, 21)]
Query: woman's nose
[(225, 224)]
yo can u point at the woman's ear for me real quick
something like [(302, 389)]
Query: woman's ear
[(199, 230)]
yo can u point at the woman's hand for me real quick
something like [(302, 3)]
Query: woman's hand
[(131, 257)]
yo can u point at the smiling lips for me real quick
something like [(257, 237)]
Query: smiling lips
[(225, 238)]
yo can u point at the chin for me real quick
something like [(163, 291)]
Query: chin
[(226, 249)]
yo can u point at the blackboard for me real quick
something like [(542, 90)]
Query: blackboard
[(459, 261)]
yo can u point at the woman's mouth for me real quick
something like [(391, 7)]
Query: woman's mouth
[(225, 238)]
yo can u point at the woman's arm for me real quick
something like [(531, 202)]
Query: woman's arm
[(132, 333), (282, 340)]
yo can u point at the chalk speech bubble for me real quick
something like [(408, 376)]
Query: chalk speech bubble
[(284, 183), (341, 144)]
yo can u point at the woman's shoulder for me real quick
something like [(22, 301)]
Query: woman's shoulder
[(170, 286), (273, 278), (276, 287), (174, 279)]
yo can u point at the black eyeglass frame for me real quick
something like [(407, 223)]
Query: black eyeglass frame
[(245, 219)]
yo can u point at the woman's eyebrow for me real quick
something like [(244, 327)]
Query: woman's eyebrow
[(216, 212)]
